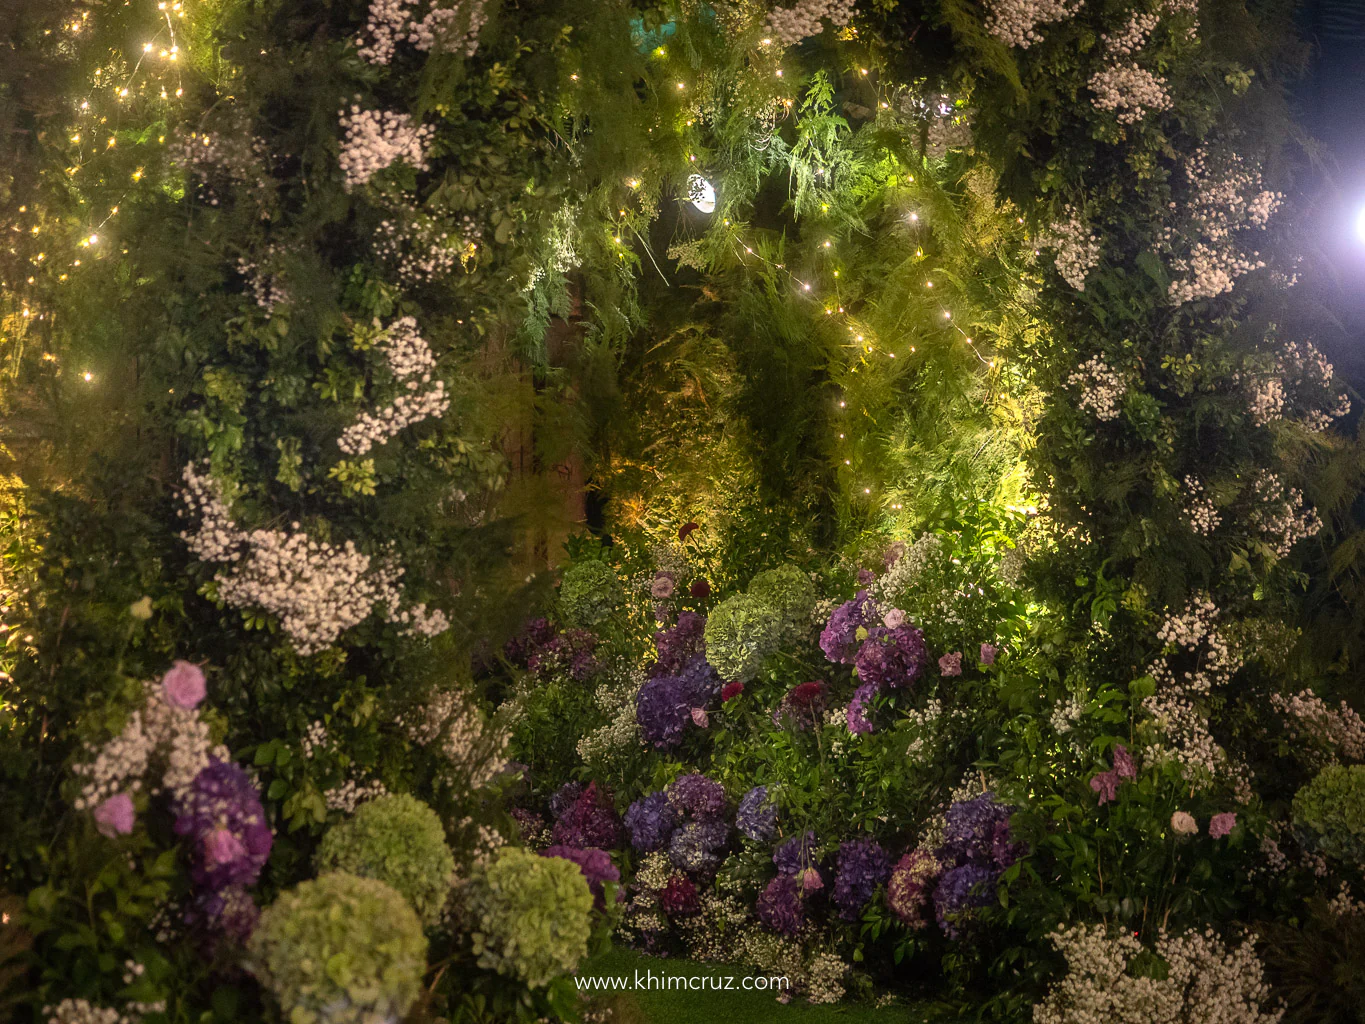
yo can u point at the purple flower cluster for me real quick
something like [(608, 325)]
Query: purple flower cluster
[(862, 865), (977, 847), (858, 707), (543, 650), (757, 816), (585, 820), (803, 707), (697, 796), (650, 821), (780, 906), (892, 658), (1106, 784), (907, 893), (679, 645), (596, 866), (224, 823), (699, 846), (960, 890), (795, 853), (663, 707), (839, 639)]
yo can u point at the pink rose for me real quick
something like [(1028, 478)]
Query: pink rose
[(183, 685), (988, 654), (950, 664), (662, 587), (1183, 823), (893, 618), (1106, 784), (811, 880), (1221, 824), (115, 816), (222, 847), (699, 718)]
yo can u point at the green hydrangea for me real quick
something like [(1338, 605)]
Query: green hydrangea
[(1332, 808), (340, 949), (740, 632), (589, 592), (530, 915), (398, 840), (788, 591)]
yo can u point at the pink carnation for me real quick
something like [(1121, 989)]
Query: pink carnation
[(115, 816), (183, 685), (950, 664), (1221, 824)]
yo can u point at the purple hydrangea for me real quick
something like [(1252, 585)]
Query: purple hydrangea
[(564, 798), (839, 640), (698, 796), (595, 864), (589, 821), (960, 890), (862, 866), (907, 893), (679, 645), (892, 658), (229, 913), (978, 830), (223, 820), (757, 816), (650, 821), (779, 905), (858, 707), (533, 636), (663, 707), (571, 650), (795, 853), (699, 846)]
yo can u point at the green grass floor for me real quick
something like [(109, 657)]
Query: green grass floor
[(732, 1006)]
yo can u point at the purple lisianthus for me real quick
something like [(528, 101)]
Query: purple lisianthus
[(757, 815), (839, 639), (1123, 762), (571, 651), (531, 825), (866, 577), (950, 664), (1106, 784), (795, 853), (231, 913), (961, 890), (893, 554), (115, 816), (678, 645), (862, 865), (973, 830), (698, 796), (698, 847), (595, 864), (907, 892), (892, 657), (679, 896), (183, 685), (589, 821), (533, 636), (858, 707), (987, 654), (650, 821), (663, 707), (779, 906), (1222, 824), (222, 817)]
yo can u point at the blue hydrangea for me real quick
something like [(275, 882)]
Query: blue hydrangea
[(650, 821), (959, 892), (699, 846), (862, 866), (663, 707), (757, 816), (795, 853)]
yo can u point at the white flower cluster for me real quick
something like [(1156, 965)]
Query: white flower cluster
[(374, 139), (1267, 401), (710, 934), (1199, 512), (1206, 981), (449, 28), (1015, 22), (411, 362), (157, 738), (1343, 904), (1307, 716), (473, 748), (267, 288), (419, 251), (620, 736), (787, 26), (209, 159), (1197, 626), (1076, 248), (1278, 512), (1224, 200), (314, 739), (1311, 376), (824, 978), (477, 842), (316, 589), (1133, 36), (1129, 90), (1102, 389), (1065, 715), (81, 1011), (350, 795)]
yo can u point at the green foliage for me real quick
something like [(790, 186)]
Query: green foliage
[(589, 592), (340, 948), (531, 916), (1331, 809), (397, 840)]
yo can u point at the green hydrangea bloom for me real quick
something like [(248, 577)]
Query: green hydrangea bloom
[(1332, 808), (788, 591), (398, 840), (342, 950), (530, 915), (589, 592), (740, 632)]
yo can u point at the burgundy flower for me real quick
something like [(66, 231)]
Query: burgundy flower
[(700, 589), (730, 690), (590, 821), (685, 530), (679, 896), (803, 705)]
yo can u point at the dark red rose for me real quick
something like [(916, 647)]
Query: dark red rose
[(731, 690), (700, 589)]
